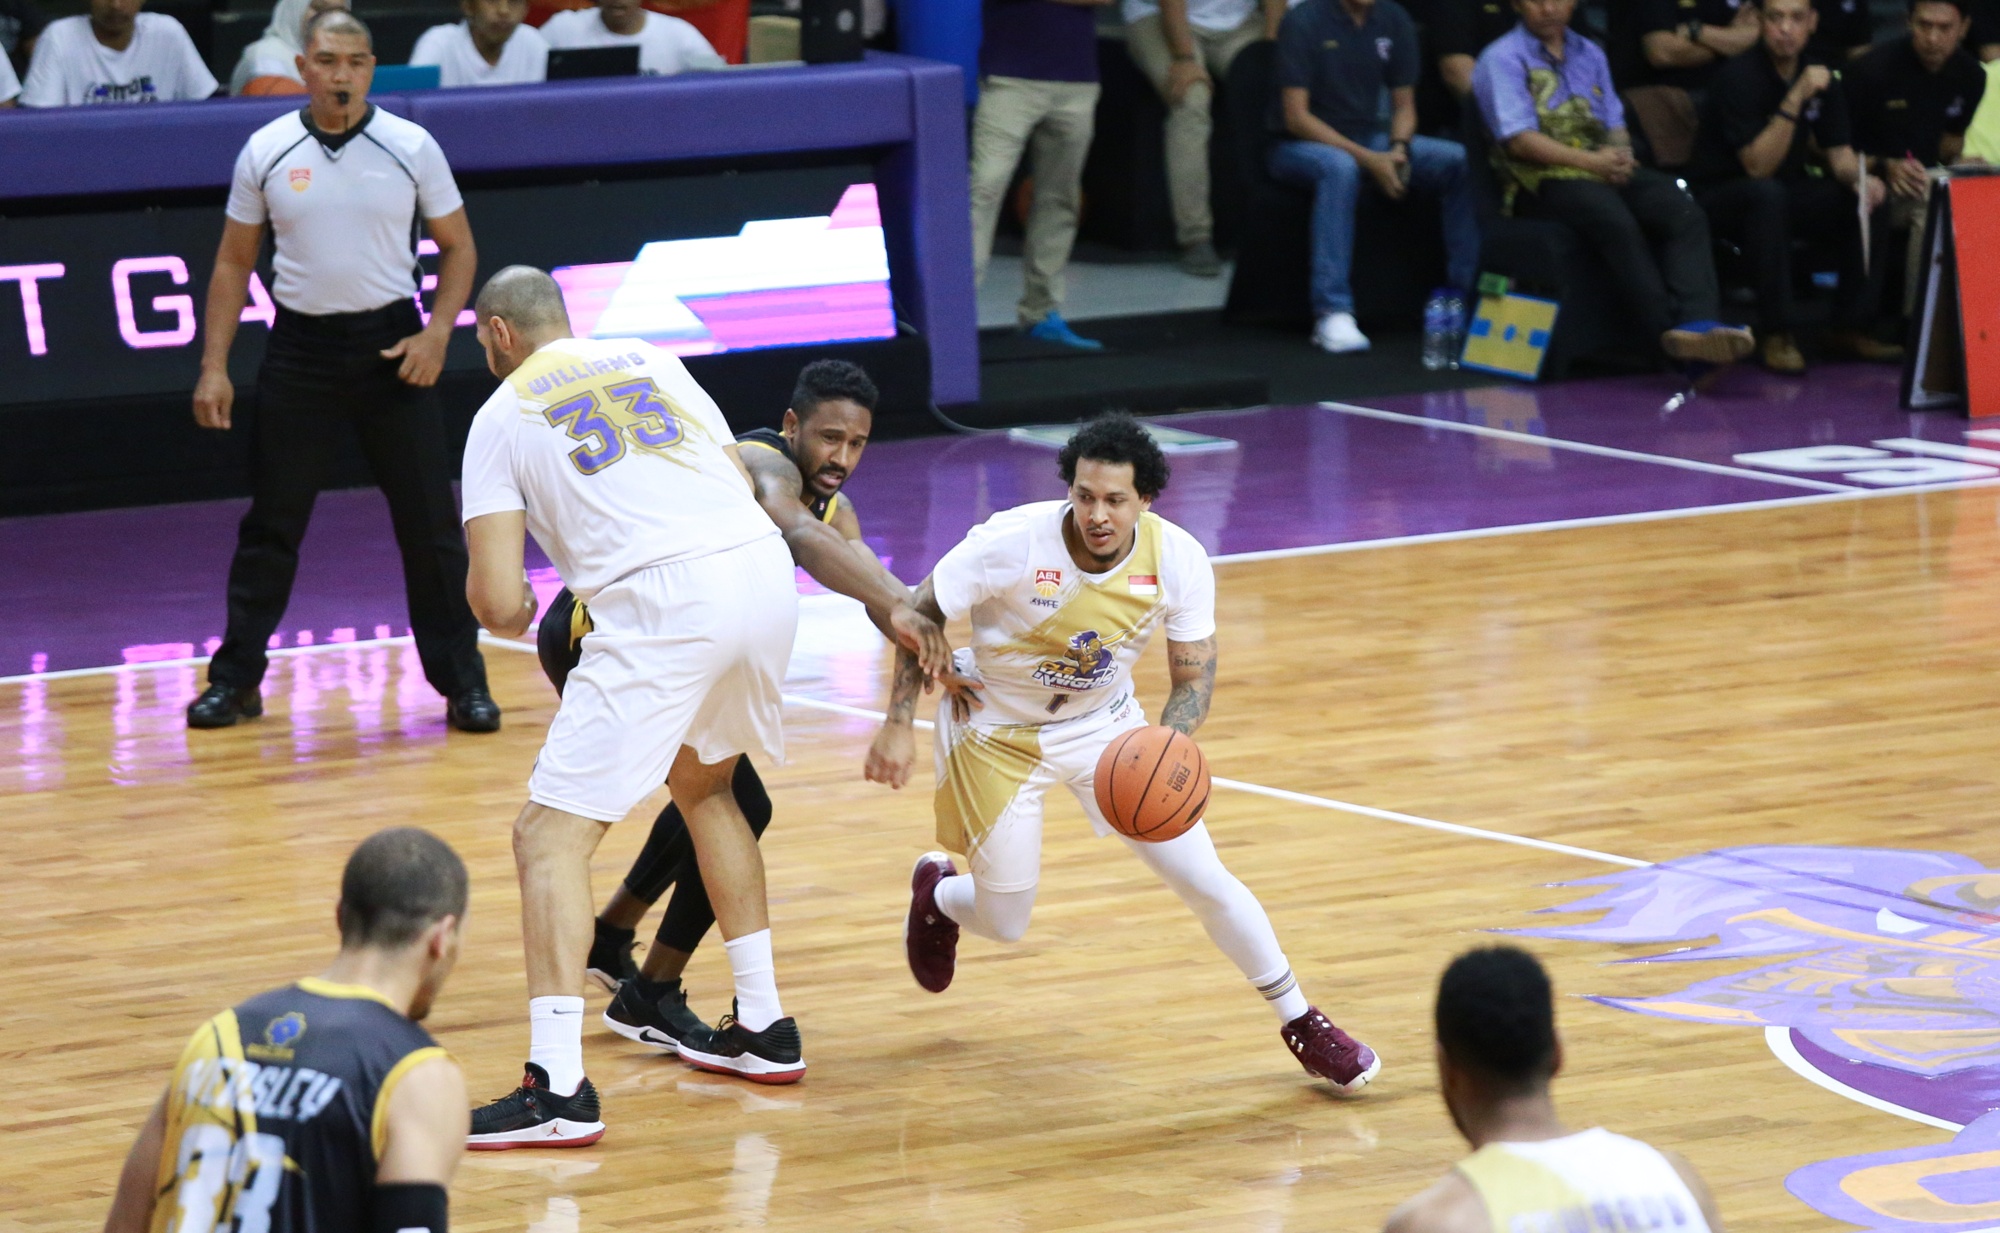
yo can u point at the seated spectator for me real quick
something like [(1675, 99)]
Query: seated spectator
[(21, 23), (1545, 93), (1683, 41), (1765, 110), (1465, 29), (1846, 30), (115, 54), (1910, 101), (271, 64), (1335, 59), (1982, 138), (1038, 92), (489, 48), (1182, 46), (667, 45)]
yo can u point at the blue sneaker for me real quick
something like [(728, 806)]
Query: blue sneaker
[(1053, 329)]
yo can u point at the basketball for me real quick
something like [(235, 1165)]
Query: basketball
[(1152, 784)]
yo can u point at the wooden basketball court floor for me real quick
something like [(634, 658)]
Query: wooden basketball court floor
[(1826, 674)]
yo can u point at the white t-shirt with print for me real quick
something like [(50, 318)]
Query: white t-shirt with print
[(524, 59), (667, 45), (617, 455), (1053, 642), (72, 69)]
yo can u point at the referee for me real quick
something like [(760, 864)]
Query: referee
[(342, 185)]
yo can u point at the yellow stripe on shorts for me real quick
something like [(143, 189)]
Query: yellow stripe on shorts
[(985, 769)]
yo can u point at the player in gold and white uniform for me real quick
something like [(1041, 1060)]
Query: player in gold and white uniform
[(1063, 597), (1497, 1052)]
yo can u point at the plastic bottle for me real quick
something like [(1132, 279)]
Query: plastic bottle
[(1455, 306), (1437, 332)]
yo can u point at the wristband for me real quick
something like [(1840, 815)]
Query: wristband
[(1693, 32), (401, 1207), (1787, 116)]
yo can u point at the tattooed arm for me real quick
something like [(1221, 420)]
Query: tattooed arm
[(1191, 667), (895, 746)]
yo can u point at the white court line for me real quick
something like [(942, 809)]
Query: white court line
[(1779, 1040), (1227, 558), (1316, 802), (1581, 447)]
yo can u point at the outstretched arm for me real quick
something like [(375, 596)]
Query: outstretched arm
[(895, 748), (1191, 668), (824, 553)]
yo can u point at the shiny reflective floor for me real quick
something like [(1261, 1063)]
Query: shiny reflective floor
[(1819, 674)]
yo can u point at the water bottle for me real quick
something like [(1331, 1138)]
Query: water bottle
[(1455, 307), (1437, 332)]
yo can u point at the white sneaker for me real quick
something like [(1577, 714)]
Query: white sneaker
[(1337, 333)]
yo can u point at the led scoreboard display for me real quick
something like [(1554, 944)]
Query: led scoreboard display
[(103, 304)]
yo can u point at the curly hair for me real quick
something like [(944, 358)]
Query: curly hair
[(1496, 1015), (1117, 437), (825, 380)]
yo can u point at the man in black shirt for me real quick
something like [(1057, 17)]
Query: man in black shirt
[(1766, 113), (1910, 100), (1683, 41)]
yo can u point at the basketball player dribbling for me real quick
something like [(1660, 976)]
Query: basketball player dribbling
[(629, 477), (1497, 1050), (1063, 597), (322, 1104)]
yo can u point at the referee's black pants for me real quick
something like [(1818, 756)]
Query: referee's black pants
[(324, 376)]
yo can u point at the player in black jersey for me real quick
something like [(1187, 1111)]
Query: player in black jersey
[(322, 1106), (803, 463)]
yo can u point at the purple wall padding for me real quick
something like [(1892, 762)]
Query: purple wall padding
[(906, 113)]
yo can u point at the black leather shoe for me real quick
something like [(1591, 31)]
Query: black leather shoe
[(473, 711), (220, 707)]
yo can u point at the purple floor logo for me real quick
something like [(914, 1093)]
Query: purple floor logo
[(1881, 981)]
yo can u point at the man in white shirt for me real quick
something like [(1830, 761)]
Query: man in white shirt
[(1063, 597), (1182, 46), (667, 45), (489, 48), (341, 186), (628, 476), (116, 54)]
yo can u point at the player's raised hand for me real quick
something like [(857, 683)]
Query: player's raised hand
[(891, 754), (923, 638), (214, 395)]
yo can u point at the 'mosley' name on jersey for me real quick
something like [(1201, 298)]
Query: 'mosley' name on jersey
[(1053, 642), (237, 1085)]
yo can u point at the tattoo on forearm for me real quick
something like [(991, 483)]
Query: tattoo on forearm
[(1186, 708), (1193, 670), (908, 684)]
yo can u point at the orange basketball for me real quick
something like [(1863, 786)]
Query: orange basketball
[(1152, 784)]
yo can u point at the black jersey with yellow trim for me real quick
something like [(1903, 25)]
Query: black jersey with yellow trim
[(276, 1114), (771, 439)]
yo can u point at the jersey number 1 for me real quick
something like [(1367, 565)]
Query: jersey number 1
[(640, 415)]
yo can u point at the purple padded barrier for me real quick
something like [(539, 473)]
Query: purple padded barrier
[(908, 112)]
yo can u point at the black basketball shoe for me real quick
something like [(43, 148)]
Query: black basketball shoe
[(770, 1056), (610, 963), (219, 706), (653, 1012), (533, 1116)]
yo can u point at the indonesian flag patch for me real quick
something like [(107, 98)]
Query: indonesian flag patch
[(1144, 584)]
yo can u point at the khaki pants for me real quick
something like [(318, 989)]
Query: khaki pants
[(1058, 117), (1188, 122)]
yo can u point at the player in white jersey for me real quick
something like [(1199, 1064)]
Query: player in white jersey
[(627, 475), (1497, 1051), (1063, 596)]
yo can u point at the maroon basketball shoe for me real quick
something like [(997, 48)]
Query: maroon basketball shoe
[(930, 938), (1330, 1053)]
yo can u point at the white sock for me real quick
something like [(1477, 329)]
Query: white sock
[(756, 980), (555, 1041), (998, 916), (1281, 990)]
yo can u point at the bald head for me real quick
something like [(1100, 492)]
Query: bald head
[(519, 310), (330, 19)]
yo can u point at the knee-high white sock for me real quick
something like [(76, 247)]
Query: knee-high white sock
[(997, 916), (1229, 913), (756, 980), (555, 1041)]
